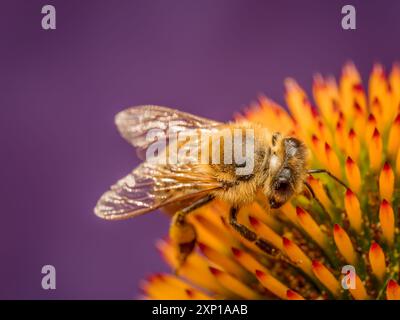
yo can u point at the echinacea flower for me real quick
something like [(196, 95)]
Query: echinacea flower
[(354, 135)]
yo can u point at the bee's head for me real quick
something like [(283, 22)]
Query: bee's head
[(287, 169)]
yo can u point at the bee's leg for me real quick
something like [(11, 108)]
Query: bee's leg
[(250, 235), (329, 174), (310, 189), (182, 233)]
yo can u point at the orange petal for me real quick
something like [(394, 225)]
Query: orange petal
[(386, 182), (353, 175), (375, 150), (353, 145), (394, 141), (311, 227), (377, 261), (270, 283), (233, 284), (386, 219), (295, 254), (393, 290), (353, 211), (326, 277), (344, 244), (292, 295), (359, 292)]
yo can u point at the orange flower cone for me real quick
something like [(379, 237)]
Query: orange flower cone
[(354, 135)]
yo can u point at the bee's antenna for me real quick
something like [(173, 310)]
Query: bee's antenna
[(310, 189), (329, 174)]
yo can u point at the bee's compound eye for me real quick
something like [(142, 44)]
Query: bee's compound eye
[(282, 184)]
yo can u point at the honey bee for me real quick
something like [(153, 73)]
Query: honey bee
[(279, 168)]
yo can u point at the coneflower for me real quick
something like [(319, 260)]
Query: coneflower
[(354, 135)]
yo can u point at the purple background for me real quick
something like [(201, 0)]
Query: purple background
[(59, 92)]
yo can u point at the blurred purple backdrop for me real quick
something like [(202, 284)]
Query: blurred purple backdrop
[(59, 92)]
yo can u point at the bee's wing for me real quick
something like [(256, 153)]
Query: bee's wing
[(134, 124), (149, 187)]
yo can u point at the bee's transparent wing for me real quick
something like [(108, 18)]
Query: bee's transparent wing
[(135, 123), (149, 187)]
